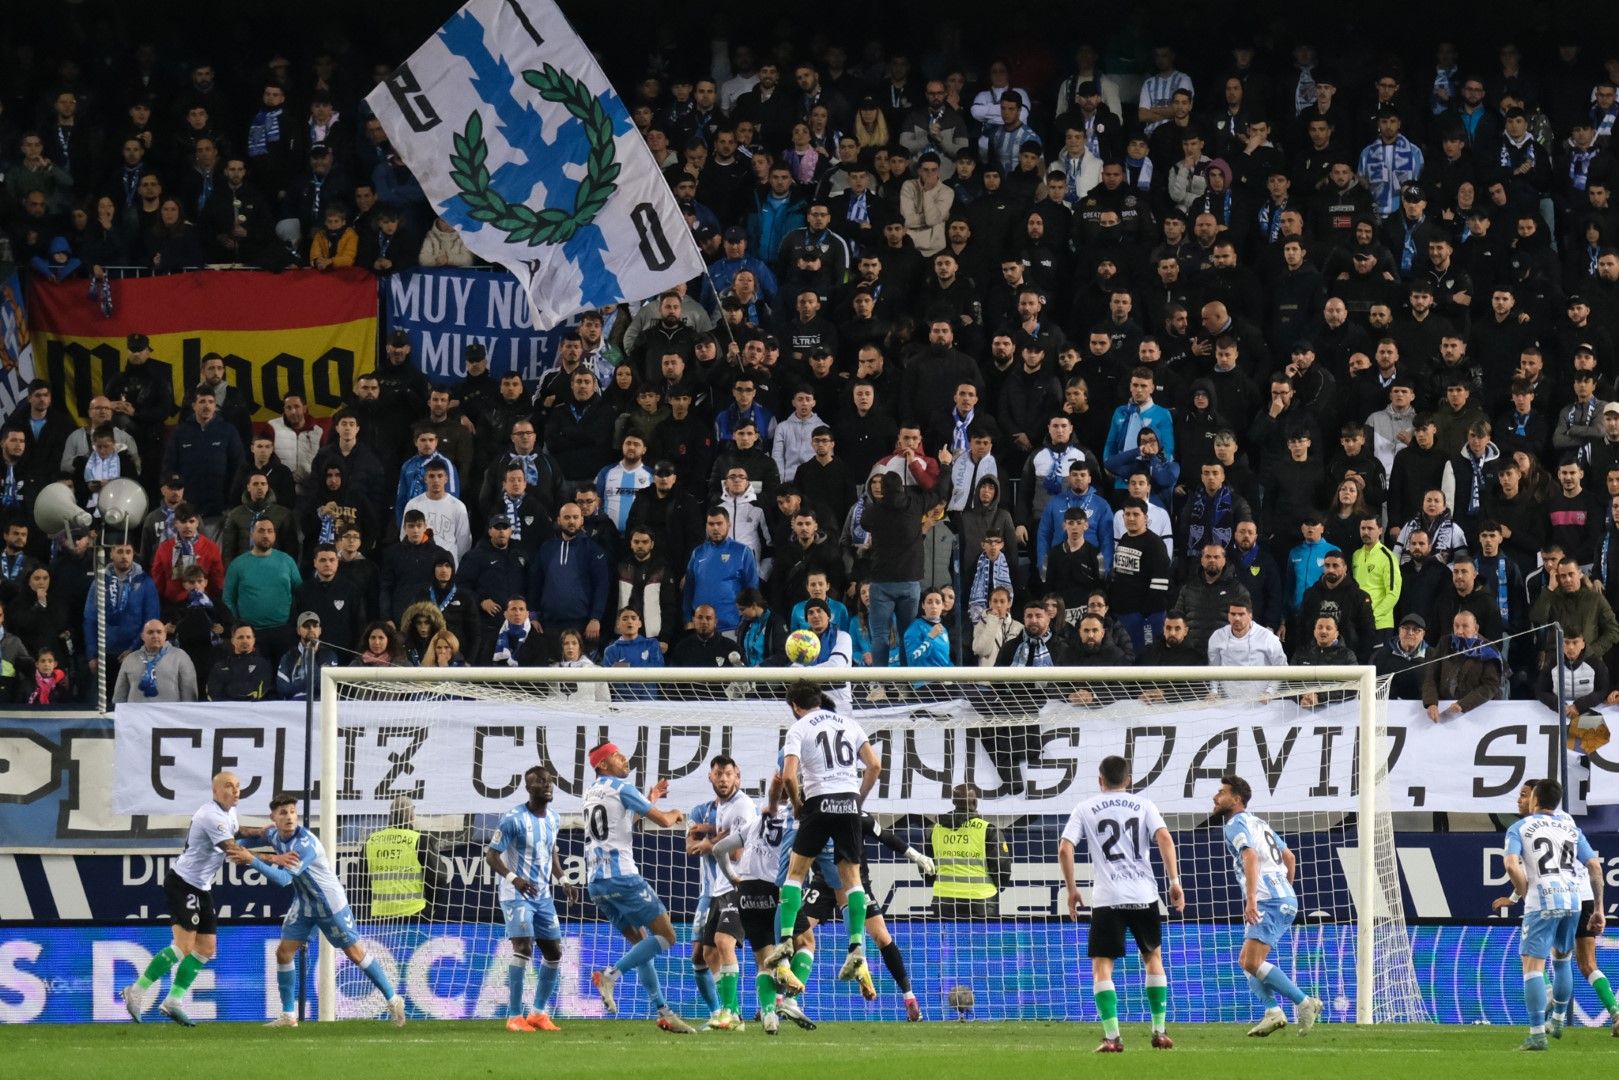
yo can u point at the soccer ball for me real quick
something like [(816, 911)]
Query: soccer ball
[(803, 647)]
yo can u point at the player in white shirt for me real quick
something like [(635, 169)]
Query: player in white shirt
[(523, 853), (1119, 830), (189, 884), (827, 791), (1544, 854), (1593, 917), (1265, 869), (319, 900), (733, 811), (762, 842), (611, 806), (700, 826)]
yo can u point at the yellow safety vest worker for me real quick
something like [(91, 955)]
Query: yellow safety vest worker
[(397, 883), (961, 862)]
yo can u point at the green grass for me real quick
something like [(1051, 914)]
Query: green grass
[(887, 1051)]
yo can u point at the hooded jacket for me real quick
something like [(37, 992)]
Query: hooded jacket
[(980, 519), (237, 534), (569, 580)]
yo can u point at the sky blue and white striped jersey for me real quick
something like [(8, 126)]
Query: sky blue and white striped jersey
[(314, 883), (1551, 848), (769, 843), (1247, 830), (1585, 853), (707, 868), (732, 816), (612, 804), (527, 843), (618, 486)]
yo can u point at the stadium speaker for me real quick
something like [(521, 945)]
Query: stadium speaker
[(56, 511), (122, 504)]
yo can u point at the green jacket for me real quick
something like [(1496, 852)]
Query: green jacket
[(1377, 572), (1587, 610)]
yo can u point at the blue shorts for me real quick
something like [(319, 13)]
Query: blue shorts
[(338, 928), (1275, 920), (628, 902), (1547, 931), (534, 917)]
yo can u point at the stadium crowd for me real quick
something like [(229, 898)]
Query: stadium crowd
[(1229, 356)]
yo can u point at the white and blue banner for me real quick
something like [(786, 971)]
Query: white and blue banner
[(520, 142), (443, 310)]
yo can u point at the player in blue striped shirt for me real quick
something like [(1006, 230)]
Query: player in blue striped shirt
[(1545, 853), (319, 900), (523, 853), (1265, 869)]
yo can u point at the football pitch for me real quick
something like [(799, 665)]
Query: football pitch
[(937, 1050)]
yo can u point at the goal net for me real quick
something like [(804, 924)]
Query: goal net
[(442, 756)]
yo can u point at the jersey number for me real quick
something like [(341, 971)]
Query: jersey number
[(1547, 854), (1111, 831), (774, 830), (841, 751), (596, 823), (1275, 848)]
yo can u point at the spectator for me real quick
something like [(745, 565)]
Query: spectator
[(421, 622), (187, 547), (258, 504), (132, 604), (1174, 649), (333, 599), (703, 646), (1326, 648), (382, 648), (445, 515), (1377, 572), (443, 651), (1337, 594), (205, 453), (1242, 642), (299, 670), (926, 642), (242, 674), (50, 684), (296, 438), (259, 590), (407, 566), (413, 474), (156, 671), (1141, 569), (1206, 597), (718, 571), (443, 246), (631, 649), (1403, 658), (568, 583), (1464, 670)]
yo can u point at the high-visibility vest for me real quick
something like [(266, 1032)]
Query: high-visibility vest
[(398, 886), (961, 863)]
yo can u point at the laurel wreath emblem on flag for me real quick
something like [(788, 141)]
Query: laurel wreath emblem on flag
[(523, 224)]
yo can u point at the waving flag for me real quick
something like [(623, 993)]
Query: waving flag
[(519, 141)]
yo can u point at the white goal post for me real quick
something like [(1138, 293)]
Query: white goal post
[(1082, 708)]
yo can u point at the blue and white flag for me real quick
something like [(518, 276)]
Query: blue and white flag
[(519, 141)]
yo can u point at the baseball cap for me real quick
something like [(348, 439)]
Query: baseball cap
[(174, 480), (1414, 192), (735, 234), (137, 343), (1574, 298), (1611, 409), (399, 337), (307, 617), (1415, 620), (500, 521), (664, 468), (476, 352), (1303, 345), (319, 149), (1088, 88), (1365, 251)]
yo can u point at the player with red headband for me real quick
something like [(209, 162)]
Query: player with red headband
[(616, 886)]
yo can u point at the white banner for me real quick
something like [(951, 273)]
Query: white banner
[(469, 757), (521, 144)]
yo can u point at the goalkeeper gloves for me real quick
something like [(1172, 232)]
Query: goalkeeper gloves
[(923, 863)]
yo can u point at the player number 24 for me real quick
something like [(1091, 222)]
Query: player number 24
[(1547, 854)]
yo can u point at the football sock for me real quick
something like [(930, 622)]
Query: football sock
[(730, 992), (642, 952), (803, 961), (379, 978), (1278, 981), (765, 987), (705, 986), (894, 961), (1534, 996), (159, 967), (1260, 991), (515, 973), (792, 898), (857, 916), (1107, 1004), (185, 975), (1599, 983), (1562, 985), (550, 973), (648, 977), (1158, 1000), (286, 981)]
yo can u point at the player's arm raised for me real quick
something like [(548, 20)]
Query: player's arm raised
[(666, 819), (874, 769), (1172, 867), (1065, 860)]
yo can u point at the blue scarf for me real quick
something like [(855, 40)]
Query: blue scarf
[(449, 597), (986, 577), (508, 642), (207, 190), (1033, 651), (265, 129), (512, 506), (1408, 248), (1579, 167), (149, 672), (531, 468), (1474, 646), (958, 434), (11, 491), (1499, 567), (328, 529), (1476, 494), (11, 565), (1216, 523), (1054, 475)]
